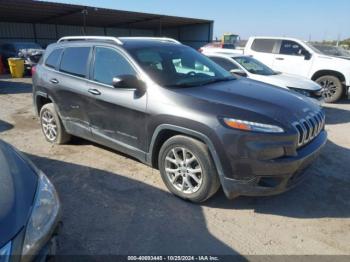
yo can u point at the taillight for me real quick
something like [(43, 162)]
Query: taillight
[(33, 71)]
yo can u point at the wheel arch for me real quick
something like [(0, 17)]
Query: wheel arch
[(41, 99), (324, 72), (165, 131)]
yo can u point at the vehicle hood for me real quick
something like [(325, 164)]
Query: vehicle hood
[(253, 101), (18, 183), (288, 80), (341, 62)]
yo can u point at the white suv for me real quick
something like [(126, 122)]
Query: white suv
[(294, 56)]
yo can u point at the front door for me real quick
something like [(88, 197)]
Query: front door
[(292, 58), (117, 115)]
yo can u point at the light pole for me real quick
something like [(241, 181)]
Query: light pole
[(85, 13)]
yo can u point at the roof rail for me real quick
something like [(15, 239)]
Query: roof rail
[(166, 39), (76, 38)]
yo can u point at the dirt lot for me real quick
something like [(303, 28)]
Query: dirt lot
[(115, 205)]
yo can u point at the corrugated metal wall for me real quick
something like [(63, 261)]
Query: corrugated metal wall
[(193, 35)]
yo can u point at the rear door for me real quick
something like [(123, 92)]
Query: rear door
[(263, 50), (292, 58), (69, 88), (117, 115)]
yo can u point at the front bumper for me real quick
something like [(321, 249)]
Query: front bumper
[(275, 176)]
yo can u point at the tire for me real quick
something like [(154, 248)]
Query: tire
[(51, 125), (207, 182), (332, 88)]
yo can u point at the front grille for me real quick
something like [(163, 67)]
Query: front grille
[(309, 127)]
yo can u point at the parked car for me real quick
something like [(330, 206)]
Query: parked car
[(247, 66), (294, 56), (174, 109), (31, 53), (220, 47), (29, 209), (333, 50)]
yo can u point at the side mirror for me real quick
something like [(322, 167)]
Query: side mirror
[(239, 72), (128, 81), (307, 56)]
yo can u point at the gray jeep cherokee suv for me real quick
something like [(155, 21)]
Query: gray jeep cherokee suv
[(174, 109)]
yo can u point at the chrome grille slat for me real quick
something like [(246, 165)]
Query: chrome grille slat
[(318, 120), (309, 127)]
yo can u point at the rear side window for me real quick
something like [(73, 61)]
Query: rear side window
[(263, 45), (53, 59), (224, 63), (74, 61)]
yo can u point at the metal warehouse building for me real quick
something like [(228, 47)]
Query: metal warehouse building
[(45, 22)]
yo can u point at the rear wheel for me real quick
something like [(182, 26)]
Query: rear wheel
[(187, 169), (52, 126), (332, 88)]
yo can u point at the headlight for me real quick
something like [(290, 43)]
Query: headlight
[(5, 253), (252, 126), (43, 216)]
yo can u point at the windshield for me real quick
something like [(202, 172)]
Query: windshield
[(254, 66), (332, 50), (178, 66), (27, 45)]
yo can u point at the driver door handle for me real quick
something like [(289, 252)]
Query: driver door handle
[(279, 58), (54, 81), (95, 92)]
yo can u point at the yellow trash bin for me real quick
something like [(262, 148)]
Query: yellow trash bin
[(16, 67)]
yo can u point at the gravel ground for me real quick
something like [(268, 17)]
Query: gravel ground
[(113, 204)]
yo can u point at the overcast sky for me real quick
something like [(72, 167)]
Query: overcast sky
[(318, 19)]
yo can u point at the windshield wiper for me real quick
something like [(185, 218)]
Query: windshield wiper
[(193, 84)]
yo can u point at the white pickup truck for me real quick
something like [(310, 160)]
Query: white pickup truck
[(294, 56)]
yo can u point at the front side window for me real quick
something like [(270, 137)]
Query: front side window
[(224, 63), (108, 64), (177, 65), (53, 59), (75, 60), (254, 66), (263, 45), (291, 48)]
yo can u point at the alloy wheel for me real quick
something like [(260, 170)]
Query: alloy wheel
[(183, 170), (49, 125), (329, 88)]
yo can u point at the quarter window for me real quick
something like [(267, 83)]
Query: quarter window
[(75, 60), (53, 59), (263, 45), (108, 64)]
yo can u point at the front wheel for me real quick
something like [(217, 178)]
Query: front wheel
[(187, 169), (332, 88)]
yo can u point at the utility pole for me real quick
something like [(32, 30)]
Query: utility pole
[(338, 39), (85, 13)]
